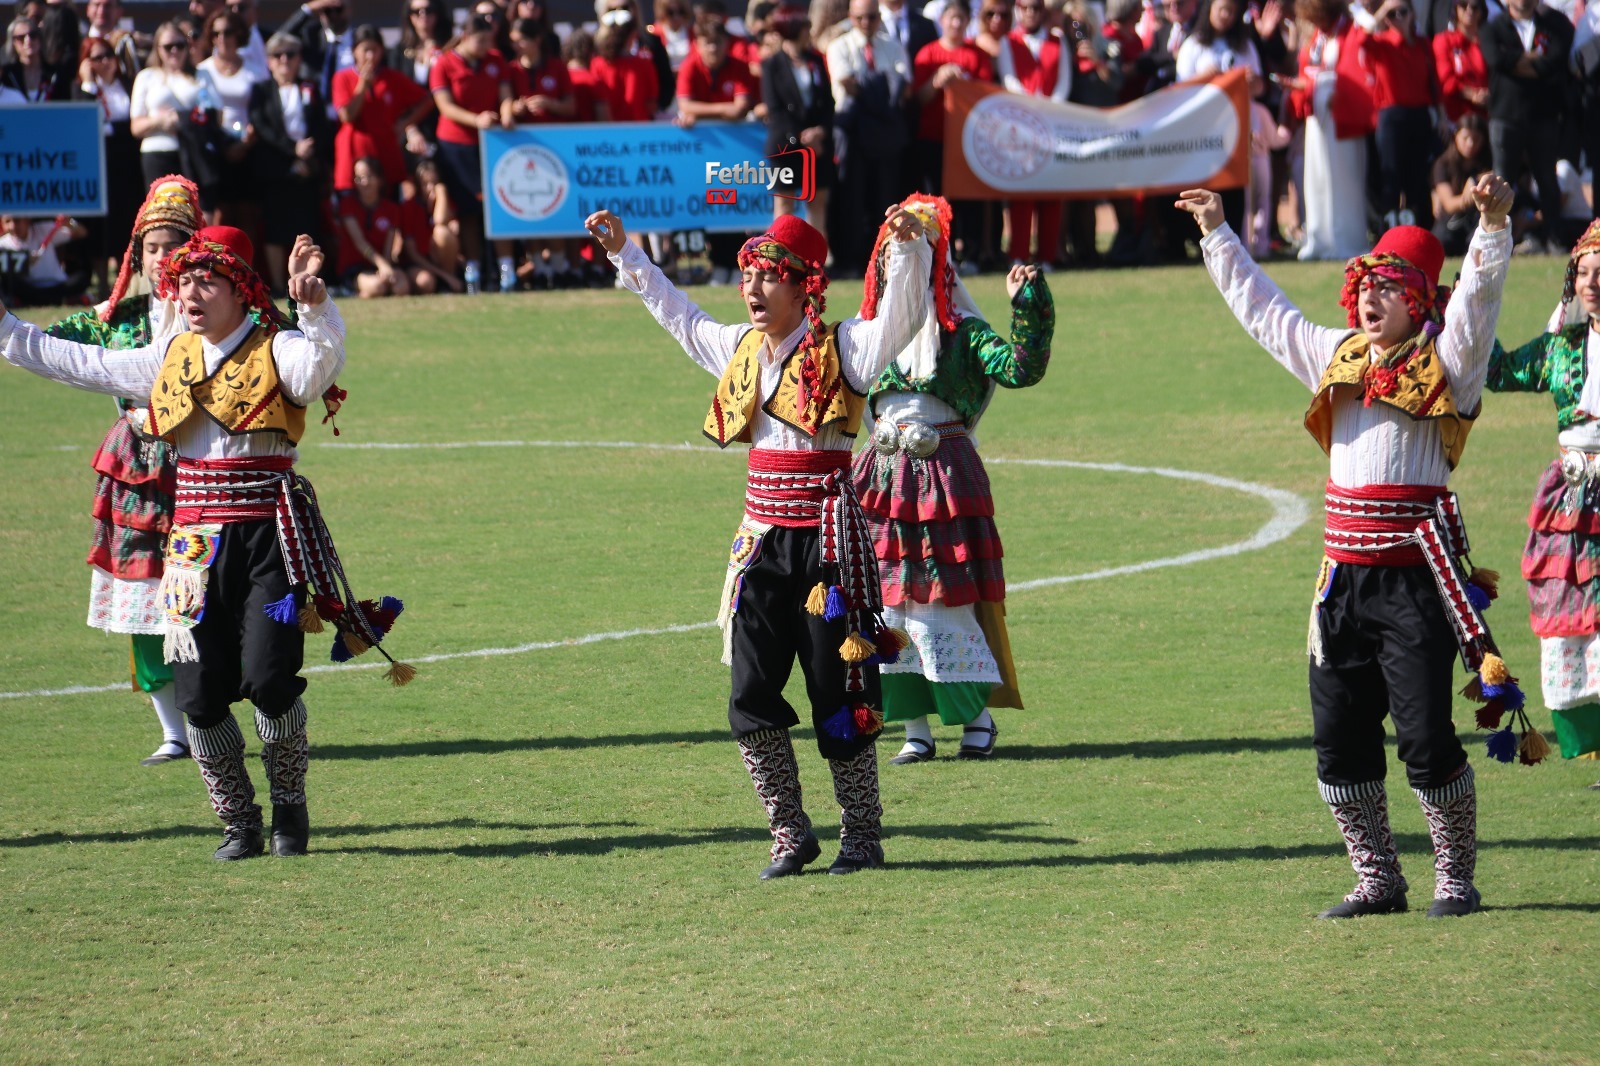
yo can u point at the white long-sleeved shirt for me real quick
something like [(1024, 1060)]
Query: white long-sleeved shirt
[(1375, 445), (308, 360), (865, 347)]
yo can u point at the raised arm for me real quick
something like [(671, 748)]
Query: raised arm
[(310, 356), (1300, 346), (130, 373), (1524, 369), (708, 342), (1022, 362), (1467, 340), (866, 346)]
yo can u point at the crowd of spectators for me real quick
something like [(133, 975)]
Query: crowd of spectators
[(1364, 114)]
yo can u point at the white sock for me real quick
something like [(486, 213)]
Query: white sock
[(983, 721), (171, 718), (917, 729)]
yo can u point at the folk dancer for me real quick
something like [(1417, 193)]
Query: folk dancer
[(1395, 396), (1561, 562), (249, 565), (927, 500), (801, 578), (133, 494)]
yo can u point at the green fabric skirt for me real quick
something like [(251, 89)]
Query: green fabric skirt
[(907, 696), (1578, 730)]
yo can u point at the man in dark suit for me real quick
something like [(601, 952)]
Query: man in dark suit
[(1159, 64), (323, 27), (1526, 51), (913, 30), (294, 140)]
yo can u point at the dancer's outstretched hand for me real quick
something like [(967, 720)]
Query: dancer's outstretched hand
[(607, 229), (1020, 275), (903, 225), (1204, 205), (1492, 196), (305, 257)]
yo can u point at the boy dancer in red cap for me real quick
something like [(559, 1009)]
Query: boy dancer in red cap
[(247, 547), (802, 580), (1395, 396)]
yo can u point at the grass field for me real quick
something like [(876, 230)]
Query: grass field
[(550, 855)]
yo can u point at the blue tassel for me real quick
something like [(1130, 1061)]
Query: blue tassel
[(1491, 692), (340, 654), (842, 726), (835, 607), (1503, 745), (284, 610), (1478, 597), (1512, 693), (392, 603)]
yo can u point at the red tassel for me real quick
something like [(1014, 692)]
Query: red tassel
[(329, 608), (1490, 713), (868, 720)]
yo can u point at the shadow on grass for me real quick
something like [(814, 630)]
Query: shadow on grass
[(1590, 908), (478, 746), (167, 832), (1151, 749)]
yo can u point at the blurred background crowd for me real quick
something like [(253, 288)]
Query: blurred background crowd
[(367, 135)]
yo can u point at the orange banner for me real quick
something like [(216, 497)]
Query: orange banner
[(1001, 146)]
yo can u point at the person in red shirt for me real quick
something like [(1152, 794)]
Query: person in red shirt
[(372, 239), (1405, 93), (375, 104), (588, 95), (428, 225), (628, 78), (541, 88), (1035, 60), (949, 59), (468, 82), (713, 85), (1458, 63)]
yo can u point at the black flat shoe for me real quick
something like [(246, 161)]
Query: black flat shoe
[(977, 751), (1456, 908), (795, 862), (239, 842), (291, 829), (158, 757), (923, 753), (1356, 908), (844, 864)]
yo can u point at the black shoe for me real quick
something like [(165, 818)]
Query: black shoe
[(977, 751), (1456, 908), (844, 864), (158, 757), (794, 864), (923, 753), (239, 842), (1355, 908), (291, 829)]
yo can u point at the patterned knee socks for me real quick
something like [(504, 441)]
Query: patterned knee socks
[(285, 753), (1362, 812), (219, 752), (1452, 813), (855, 786), (769, 757)]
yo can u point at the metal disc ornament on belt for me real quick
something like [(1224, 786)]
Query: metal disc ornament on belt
[(1576, 467)]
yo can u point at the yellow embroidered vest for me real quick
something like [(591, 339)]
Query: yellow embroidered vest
[(243, 396), (733, 405), (1421, 390)]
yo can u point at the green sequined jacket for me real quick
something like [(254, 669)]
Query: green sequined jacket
[(1551, 362), (973, 358), (129, 326)]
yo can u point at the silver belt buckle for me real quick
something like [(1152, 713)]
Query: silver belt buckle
[(918, 439), (886, 438), (1576, 466)]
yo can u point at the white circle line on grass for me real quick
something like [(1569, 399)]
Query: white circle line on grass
[(1289, 513)]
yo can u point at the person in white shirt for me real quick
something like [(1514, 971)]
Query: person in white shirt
[(253, 47), (802, 580), (1395, 395), (871, 76), (163, 91), (247, 571), (32, 270)]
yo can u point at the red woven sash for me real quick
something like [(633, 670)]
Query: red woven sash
[(787, 488), (230, 490)]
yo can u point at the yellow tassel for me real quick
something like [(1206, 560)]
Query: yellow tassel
[(310, 620), (1487, 580), (356, 645), (400, 674), (1493, 671), (856, 648), (817, 602), (1534, 747), (1474, 690)]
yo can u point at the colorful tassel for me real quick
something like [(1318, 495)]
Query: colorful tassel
[(1474, 690), (400, 674), (340, 653), (1479, 598), (856, 649), (1490, 713), (1510, 694), (817, 602), (328, 608), (1493, 671), (1502, 745), (1487, 580), (1533, 749), (392, 605), (356, 645), (284, 610), (841, 726), (834, 608), (868, 720), (310, 620)]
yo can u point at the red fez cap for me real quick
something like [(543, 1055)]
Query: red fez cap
[(234, 240), (801, 238), (1416, 246)]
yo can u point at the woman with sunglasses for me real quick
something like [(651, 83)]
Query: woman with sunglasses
[(234, 198), (424, 31), (993, 23), (672, 30), (1458, 63), (26, 78), (164, 90), (108, 84)]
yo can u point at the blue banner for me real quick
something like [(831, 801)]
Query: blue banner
[(52, 160), (543, 181)]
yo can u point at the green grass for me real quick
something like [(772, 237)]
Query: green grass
[(551, 856)]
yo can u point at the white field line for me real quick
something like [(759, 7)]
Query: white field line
[(1289, 512)]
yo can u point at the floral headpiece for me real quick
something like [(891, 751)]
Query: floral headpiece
[(173, 202), (1425, 299), (771, 252), (934, 213), (218, 258), (1588, 243)]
